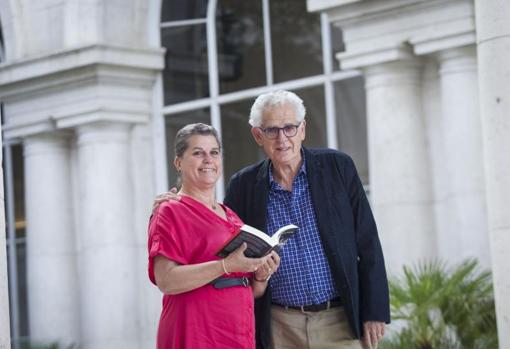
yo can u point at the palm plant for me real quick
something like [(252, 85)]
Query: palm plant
[(444, 308)]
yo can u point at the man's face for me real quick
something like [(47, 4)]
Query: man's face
[(283, 150)]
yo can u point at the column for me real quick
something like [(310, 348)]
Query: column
[(399, 163), (149, 300), (51, 263), (493, 37), (107, 245), (464, 195)]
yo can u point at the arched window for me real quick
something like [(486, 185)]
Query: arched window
[(221, 54)]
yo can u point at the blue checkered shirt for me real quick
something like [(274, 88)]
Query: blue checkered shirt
[(304, 276)]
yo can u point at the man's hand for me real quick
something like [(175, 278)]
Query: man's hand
[(169, 195), (373, 331), (272, 263)]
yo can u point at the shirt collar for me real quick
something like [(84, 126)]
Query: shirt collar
[(302, 170)]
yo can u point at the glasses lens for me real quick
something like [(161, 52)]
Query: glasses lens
[(272, 132), (290, 130)]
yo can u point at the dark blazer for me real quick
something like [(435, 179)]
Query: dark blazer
[(347, 230)]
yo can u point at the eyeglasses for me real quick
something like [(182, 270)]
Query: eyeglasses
[(274, 132)]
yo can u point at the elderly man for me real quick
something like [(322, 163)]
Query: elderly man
[(331, 288)]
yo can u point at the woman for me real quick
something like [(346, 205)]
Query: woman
[(207, 301)]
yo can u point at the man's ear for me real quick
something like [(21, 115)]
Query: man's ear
[(303, 134), (257, 135)]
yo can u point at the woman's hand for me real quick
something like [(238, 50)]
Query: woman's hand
[(238, 262), (272, 263)]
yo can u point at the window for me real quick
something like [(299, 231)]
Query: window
[(15, 237), (221, 54)]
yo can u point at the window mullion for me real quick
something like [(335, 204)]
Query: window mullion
[(268, 51), (212, 61), (329, 99)]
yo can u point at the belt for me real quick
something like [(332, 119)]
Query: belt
[(222, 282), (333, 303)]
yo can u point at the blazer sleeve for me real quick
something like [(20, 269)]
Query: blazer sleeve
[(373, 282)]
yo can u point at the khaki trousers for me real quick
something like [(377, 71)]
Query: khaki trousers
[(311, 330)]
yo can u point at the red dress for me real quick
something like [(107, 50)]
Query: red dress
[(187, 232)]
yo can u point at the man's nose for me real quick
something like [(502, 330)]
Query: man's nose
[(281, 135)]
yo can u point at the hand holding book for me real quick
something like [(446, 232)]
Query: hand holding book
[(238, 262), (258, 243)]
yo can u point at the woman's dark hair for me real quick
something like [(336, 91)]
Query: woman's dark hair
[(184, 134)]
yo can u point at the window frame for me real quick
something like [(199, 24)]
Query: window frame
[(216, 99)]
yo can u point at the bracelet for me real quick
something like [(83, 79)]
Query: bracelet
[(224, 268)]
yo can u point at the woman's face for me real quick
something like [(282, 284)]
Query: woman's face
[(200, 165)]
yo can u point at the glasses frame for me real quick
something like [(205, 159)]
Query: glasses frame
[(267, 130)]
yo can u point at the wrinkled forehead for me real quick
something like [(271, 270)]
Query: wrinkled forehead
[(280, 114)]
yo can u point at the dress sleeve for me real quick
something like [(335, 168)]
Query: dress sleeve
[(166, 237)]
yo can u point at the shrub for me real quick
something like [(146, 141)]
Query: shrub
[(444, 308)]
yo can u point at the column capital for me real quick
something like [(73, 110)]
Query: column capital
[(400, 73), (102, 131), (386, 30), (457, 59), (46, 143), (79, 86)]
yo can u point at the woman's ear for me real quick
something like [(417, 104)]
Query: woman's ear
[(177, 163)]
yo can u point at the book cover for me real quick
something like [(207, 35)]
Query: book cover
[(259, 243)]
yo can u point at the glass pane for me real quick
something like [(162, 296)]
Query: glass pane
[(296, 40), (337, 44), (21, 273), (2, 50), (240, 149), (313, 98), (19, 189), (21, 259), (351, 121), (185, 75), (176, 10), (240, 36), (174, 123)]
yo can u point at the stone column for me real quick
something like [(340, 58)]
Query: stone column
[(464, 195), (399, 164), (142, 168), (493, 36), (107, 245), (51, 264)]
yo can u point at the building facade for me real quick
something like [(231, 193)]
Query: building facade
[(93, 92)]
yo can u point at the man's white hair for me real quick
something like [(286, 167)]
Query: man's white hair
[(273, 99)]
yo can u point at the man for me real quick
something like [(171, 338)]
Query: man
[(331, 288)]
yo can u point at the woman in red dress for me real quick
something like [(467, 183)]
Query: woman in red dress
[(207, 302)]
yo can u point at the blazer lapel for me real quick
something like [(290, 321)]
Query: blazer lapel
[(319, 194), (261, 196)]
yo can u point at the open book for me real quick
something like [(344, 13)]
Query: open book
[(259, 243)]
